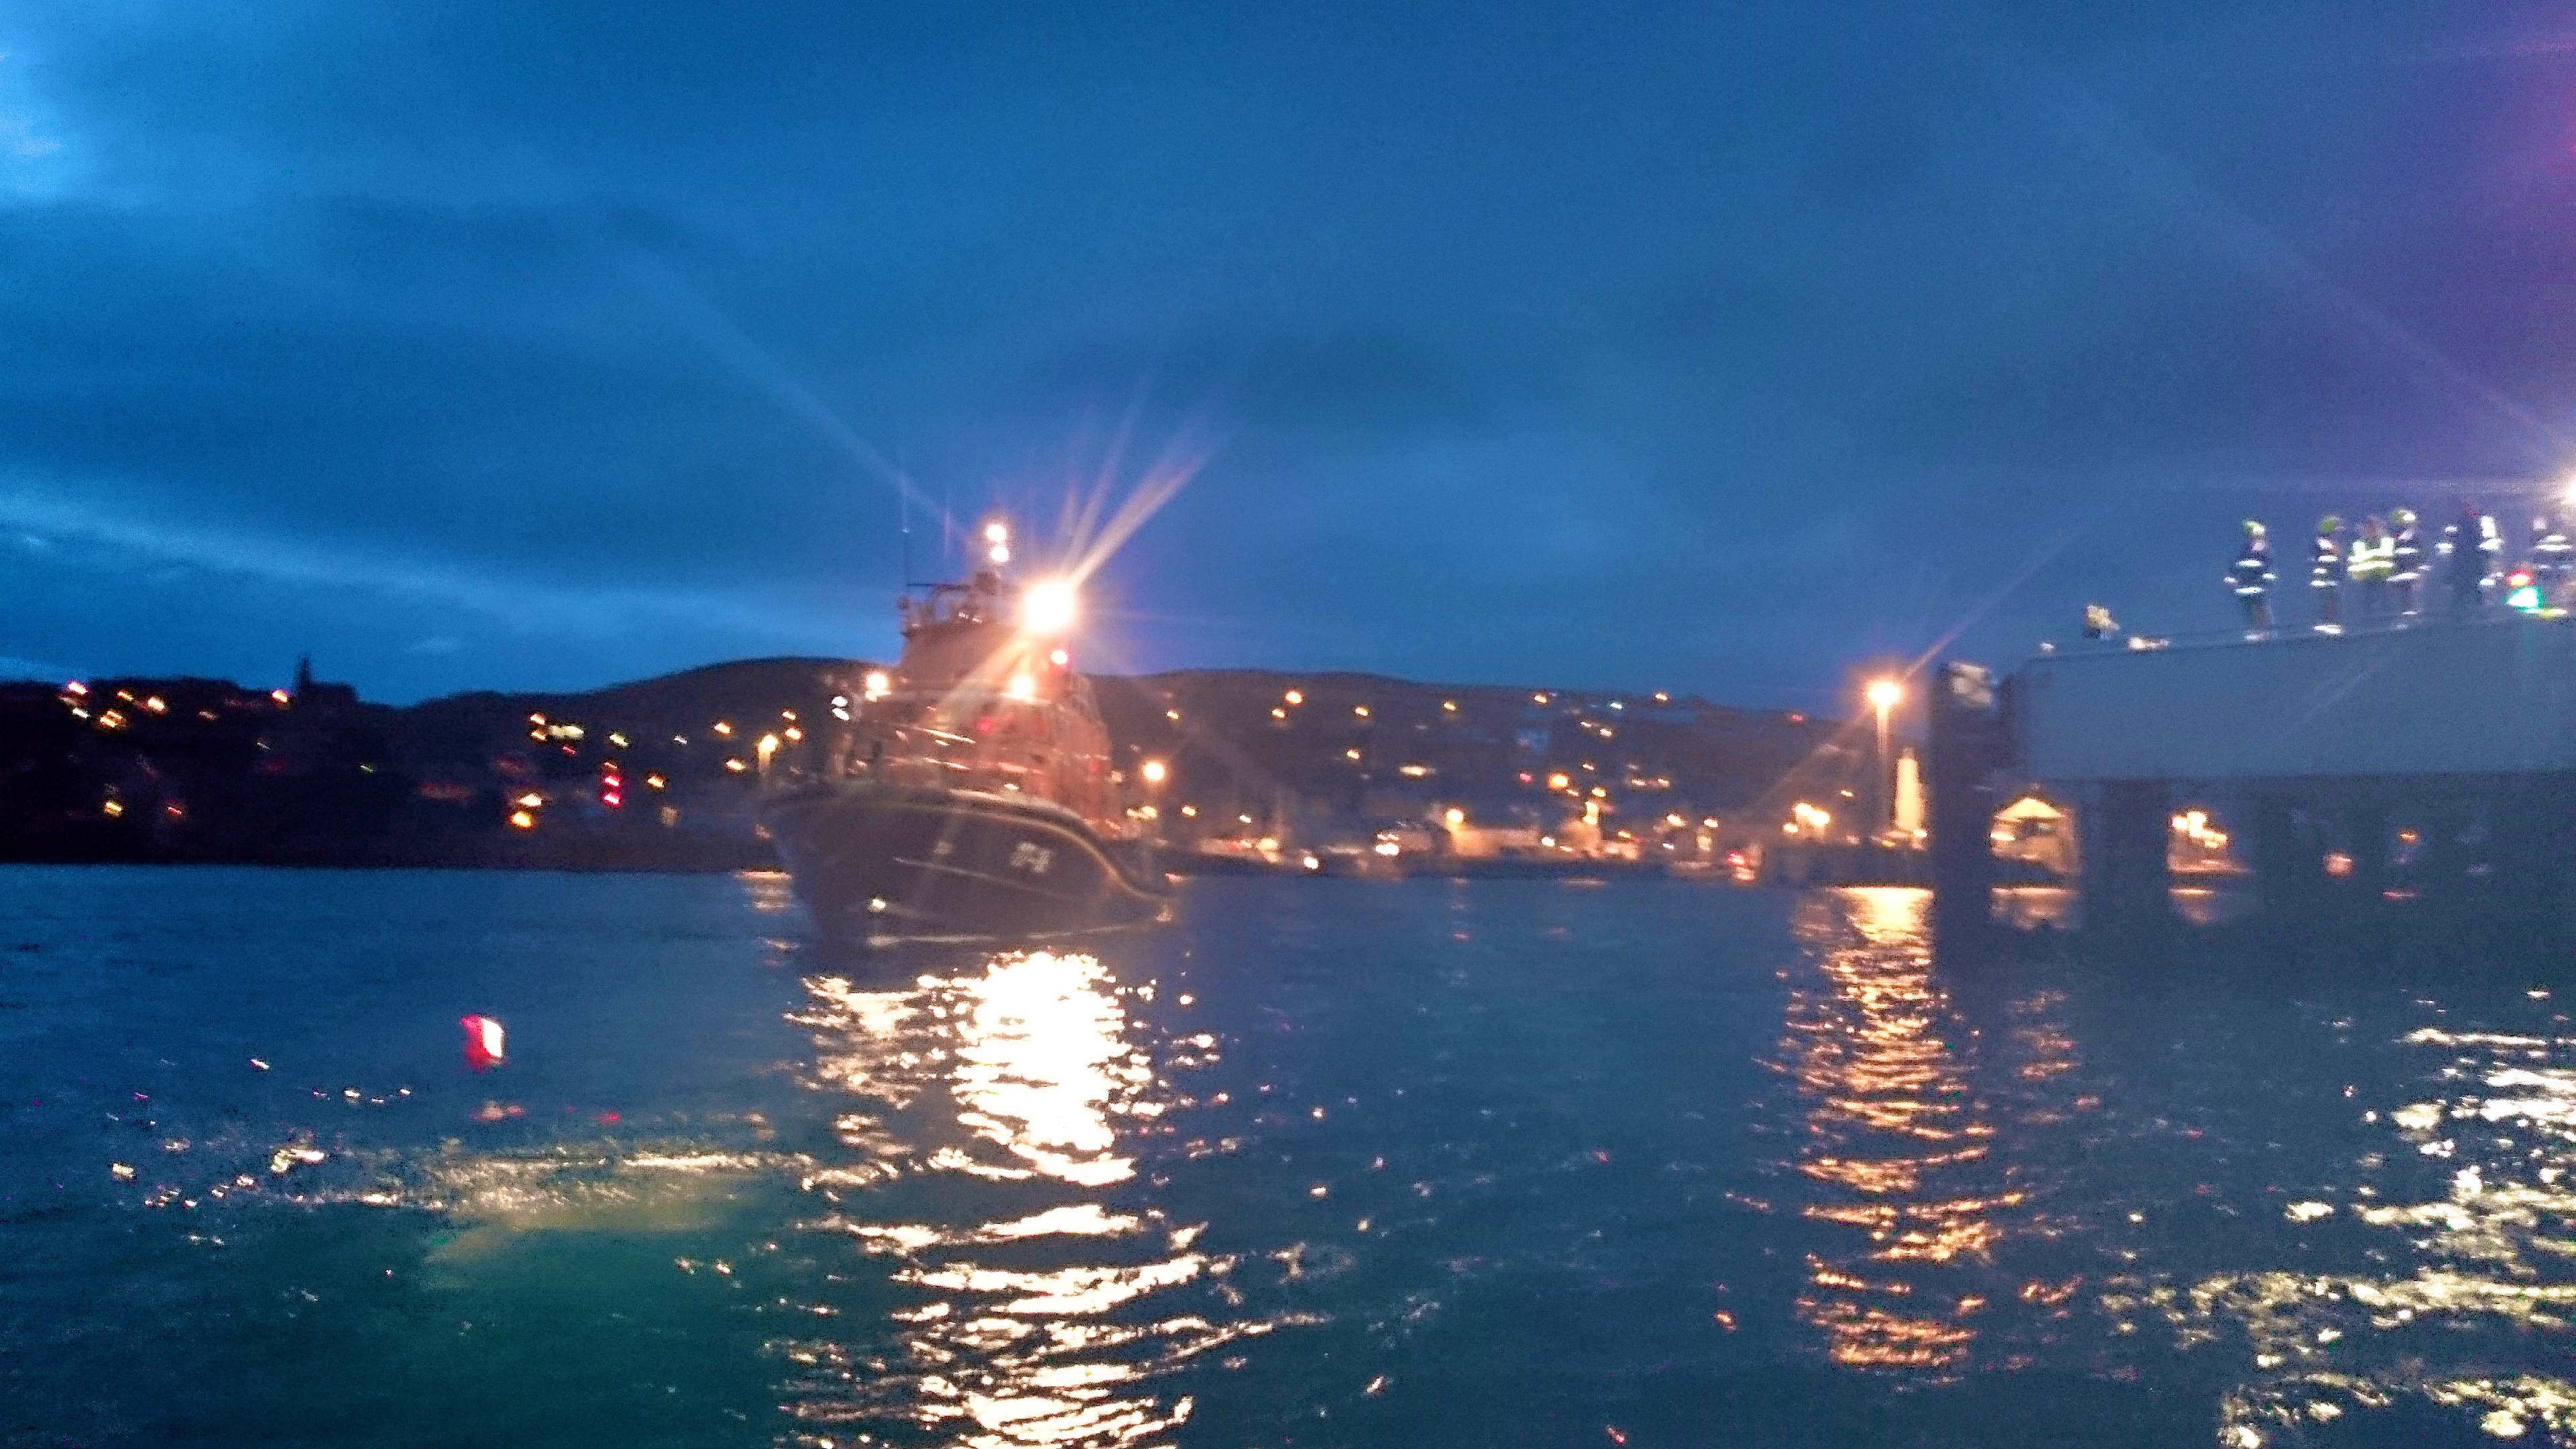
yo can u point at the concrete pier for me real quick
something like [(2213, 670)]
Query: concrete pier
[(2432, 763)]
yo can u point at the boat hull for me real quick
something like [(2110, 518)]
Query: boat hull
[(881, 862)]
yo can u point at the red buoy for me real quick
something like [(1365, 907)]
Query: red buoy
[(485, 1043)]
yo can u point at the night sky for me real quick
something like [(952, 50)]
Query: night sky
[(1706, 347)]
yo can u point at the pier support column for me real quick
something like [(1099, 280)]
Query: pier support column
[(2289, 864), (2122, 834), (1965, 745), (2373, 836), (2533, 823)]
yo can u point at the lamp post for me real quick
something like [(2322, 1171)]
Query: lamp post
[(1883, 695), (1153, 773)]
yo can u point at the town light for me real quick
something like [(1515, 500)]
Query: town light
[(1048, 607), (1883, 694), (879, 684), (1154, 771)]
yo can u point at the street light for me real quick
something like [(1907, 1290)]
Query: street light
[(1883, 694)]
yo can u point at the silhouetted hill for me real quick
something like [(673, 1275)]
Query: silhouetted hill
[(667, 771)]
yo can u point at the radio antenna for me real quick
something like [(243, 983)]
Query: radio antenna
[(903, 524)]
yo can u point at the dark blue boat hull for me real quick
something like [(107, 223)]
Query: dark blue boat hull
[(879, 862)]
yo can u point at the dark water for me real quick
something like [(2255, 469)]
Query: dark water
[(1331, 1162)]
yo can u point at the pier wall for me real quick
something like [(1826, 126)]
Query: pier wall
[(2361, 772), (2489, 698)]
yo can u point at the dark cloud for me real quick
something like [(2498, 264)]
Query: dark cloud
[(1670, 346)]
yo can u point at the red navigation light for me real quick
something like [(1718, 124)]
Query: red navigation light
[(984, 724)]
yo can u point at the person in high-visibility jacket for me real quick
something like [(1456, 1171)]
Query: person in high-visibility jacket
[(2406, 547), (2325, 573), (2466, 547), (2553, 558), (2372, 563), (2250, 577)]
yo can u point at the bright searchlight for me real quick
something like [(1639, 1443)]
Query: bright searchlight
[(1048, 607)]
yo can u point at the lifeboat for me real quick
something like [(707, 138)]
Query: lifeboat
[(968, 794)]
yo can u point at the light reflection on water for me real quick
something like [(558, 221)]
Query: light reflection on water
[(1014, 1091), (1497, 1173), (2464, 1197), (2024, 906), (1892, 1128), (2432, 1268)]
